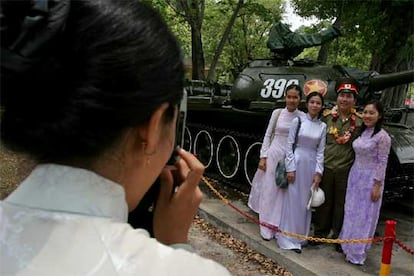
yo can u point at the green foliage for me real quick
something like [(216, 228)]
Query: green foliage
[(410, 93), (367, 28), (177, 24), (249, 35), (407, 52)]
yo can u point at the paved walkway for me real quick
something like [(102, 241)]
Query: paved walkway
[(314, 260)]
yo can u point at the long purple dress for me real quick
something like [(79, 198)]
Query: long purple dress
[(361, 213), (305, 161), (265, 197)]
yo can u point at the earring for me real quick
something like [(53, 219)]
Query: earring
[(148, 155)]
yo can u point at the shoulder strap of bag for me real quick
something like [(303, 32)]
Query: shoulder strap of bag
[(278, 111), (296, 134)]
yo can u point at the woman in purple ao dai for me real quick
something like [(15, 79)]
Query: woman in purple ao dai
[(365, 183), (265, 197), (304, 166)]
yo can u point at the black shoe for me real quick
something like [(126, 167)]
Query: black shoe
[(297, 250), (338, 248), (314, 243), (265, 239)]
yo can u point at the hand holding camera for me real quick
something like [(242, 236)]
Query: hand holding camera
[(175, 195), (174, 213)]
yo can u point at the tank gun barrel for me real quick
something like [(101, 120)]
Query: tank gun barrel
[(379, 82)]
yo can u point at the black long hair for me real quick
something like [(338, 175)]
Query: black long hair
[(380, 108), (73, 91)]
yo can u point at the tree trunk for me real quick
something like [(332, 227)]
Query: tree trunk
[(196, 14), (197, 54), (193, 12), (399, 27), (223, 40), (323, 53)]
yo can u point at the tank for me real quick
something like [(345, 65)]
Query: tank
[(226, 122)]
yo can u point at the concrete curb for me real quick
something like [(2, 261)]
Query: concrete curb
[(315, 260), (263, 247)]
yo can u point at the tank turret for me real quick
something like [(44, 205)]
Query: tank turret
[(261, 84), (226, 123), (286, 45)]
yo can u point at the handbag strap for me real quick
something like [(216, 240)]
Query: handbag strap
[(278, 111), (296, 134)]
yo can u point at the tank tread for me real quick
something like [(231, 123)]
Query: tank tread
[(243, 139), (226, 131)]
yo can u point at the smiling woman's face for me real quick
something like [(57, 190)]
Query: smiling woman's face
[(292, 99), (314, 106), (370, 115)]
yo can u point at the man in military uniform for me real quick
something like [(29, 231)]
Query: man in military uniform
[(343, 124)]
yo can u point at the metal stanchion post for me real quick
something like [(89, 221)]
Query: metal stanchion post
[(387, 248)]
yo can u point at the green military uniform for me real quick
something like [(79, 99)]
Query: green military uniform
[(338, 161)]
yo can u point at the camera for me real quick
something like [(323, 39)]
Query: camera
[(142, 215), (180, 129)]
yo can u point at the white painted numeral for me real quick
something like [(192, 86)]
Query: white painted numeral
[(275, 88), (267, 90)]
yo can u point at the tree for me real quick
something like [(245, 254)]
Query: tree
[(246, 38), (380, 28), (223, 40), (395, 56), (250, 32), (193, 12)]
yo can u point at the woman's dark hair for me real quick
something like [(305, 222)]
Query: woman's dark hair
[(295, 87), (109, 68), (380, 108), (317, 94)]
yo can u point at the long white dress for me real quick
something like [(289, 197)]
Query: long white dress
[(265, 197), (67, 221), (306, 160)]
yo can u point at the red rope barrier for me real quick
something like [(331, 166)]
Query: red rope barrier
[(404, 247), (389, 238)]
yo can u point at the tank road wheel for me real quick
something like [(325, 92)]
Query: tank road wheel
[(203, 147), (188, 140), (228, 156), (251, 159)]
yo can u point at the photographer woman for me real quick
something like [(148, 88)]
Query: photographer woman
[(90, 88)]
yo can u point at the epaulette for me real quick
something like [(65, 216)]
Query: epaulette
[(359, 114), (326, 112)]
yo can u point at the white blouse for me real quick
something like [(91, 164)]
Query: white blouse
[(67, 221)]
